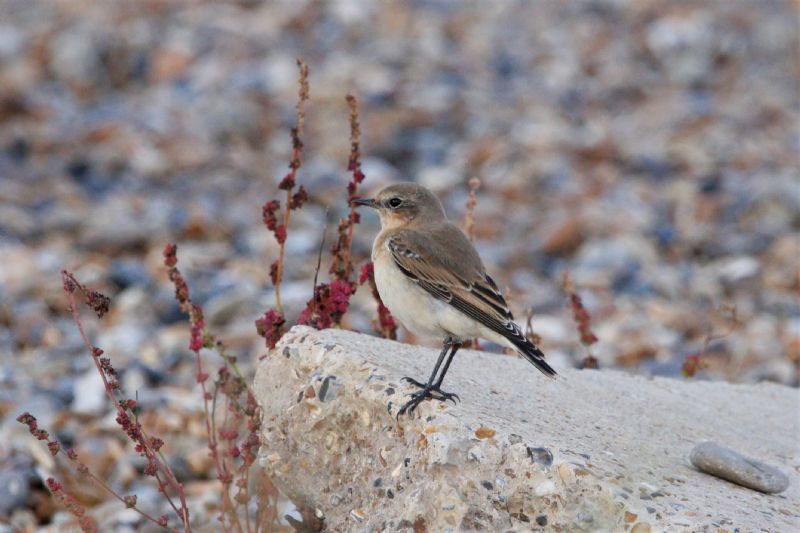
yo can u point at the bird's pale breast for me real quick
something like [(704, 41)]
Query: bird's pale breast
[(410, 304)]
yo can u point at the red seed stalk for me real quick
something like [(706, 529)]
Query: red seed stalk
[(342, 265), (232, 385), (691, 365), (472, 202), (271, 325), (695, 362), (293, 200), (582, 320), (330, 301), (145, 445), (57, 489), (86, 522)]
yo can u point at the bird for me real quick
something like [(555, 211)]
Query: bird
[(433, 281)]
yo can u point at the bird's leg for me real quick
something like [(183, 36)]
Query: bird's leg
[(437, 386), (427, 389), (445, 347)]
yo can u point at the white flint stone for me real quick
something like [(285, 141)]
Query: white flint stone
[(545, 488)]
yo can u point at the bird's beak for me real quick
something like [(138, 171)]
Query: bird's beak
[(369, 202)]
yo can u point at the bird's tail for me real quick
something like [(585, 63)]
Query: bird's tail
[(532, 353)]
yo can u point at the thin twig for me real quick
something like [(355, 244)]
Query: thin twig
[(319, 263)]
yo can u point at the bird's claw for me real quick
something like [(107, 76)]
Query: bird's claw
[(411, 405), (444, 396), (435, 393), (413, 382)]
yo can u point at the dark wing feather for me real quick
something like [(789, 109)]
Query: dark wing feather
[(464, 285)]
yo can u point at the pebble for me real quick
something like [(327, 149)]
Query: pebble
[(358, 515), (125, 273), (224, 307), (329, 389), (738, 269), (728, 464), (541, 456), (18, 473), (545, 488), (89, 394)]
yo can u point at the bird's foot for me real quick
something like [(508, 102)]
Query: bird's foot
[(439, 393), (435, 393)]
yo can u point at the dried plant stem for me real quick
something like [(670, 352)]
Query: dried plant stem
[(472, 201), (211, 437), (145, 441), (530, 334), (246, 498), (342, 263), (694, 362), (111, 491), (281, 253), (582, 321), (211, 342), (232, 384), (319, 262), (354, 165), (288, 182)]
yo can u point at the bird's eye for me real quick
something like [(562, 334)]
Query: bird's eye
[(395, 202)]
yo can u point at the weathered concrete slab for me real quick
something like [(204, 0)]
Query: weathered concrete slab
[(620, 444)]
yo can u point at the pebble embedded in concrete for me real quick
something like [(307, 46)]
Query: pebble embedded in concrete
[(541, 456)]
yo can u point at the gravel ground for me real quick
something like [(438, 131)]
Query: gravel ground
[(649, 148)]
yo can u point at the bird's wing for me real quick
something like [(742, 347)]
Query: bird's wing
[(458, 278)]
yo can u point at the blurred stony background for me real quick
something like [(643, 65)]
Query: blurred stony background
[(648, 147)]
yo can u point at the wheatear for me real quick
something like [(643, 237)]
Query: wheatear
[(431, 278)]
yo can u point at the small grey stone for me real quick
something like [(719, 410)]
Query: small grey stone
[(541, 456), (126, 273), (514, 439), (328, 389), (728, 464), (225, 306), (18, 475), (291, 352)]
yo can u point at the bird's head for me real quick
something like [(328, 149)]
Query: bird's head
[(405, 204)]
